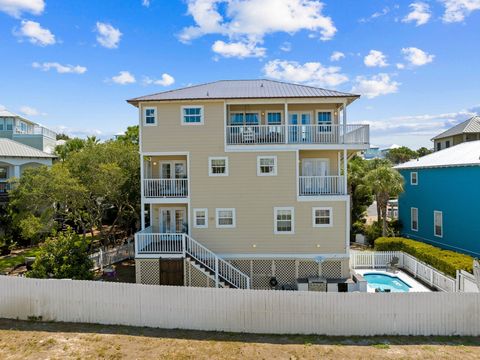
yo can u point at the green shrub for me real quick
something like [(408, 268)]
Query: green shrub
[(445, 261), (374, 230)]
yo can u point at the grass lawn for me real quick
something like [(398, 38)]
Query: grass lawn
[(37, 340), (12, 260)]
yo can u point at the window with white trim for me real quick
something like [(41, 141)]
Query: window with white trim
[(266, 166), (192, 115), (200, 218), (414, 219), (322, 216), (274, 117), (225, 218), (413, 178), (438, 223), (284, 219), (149, 116), (218, 166)]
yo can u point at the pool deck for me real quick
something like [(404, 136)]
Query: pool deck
[(415, 286)]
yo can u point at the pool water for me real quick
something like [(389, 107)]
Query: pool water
[(384, 281)]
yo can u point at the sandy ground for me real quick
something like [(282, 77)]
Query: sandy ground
[(35, 340)]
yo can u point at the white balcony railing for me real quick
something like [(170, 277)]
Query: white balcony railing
[(321, 185), (35, 130), (148, 243), (161, 188), (297, 134)]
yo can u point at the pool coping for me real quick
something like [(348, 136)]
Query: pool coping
[(415, 286)]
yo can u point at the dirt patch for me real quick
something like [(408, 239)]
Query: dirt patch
[(36, 340)]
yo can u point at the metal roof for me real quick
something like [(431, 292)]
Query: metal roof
[(469, 126), (243, 89), (11, 148), (6, 113), (464, 154)]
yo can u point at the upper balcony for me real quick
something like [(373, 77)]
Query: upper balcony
[(304, 126), (35, 130), (297, 134)]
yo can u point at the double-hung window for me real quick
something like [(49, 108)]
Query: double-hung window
[(322, 216), (3, 173), (244, 118), (9, 124), (200, 218), (266, 165), (225, 218), (2, 124), (413, 178), (218, 166), (284, 220), (192, 115), (274, 118), (438, 223), (414, 219), (149, 116)]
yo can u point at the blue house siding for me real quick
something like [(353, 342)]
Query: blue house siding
[(453, 190)]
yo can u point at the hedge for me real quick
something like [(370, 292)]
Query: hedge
[(445, 261)]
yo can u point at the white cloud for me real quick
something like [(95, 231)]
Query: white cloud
[(16, 8), (238, 49), (420, 13), (417, 57), (374, 86), (165, 80), (35, 33), (400, 66), (286, 46), (30, 111), (61, 69), (146, 3), (375, 58), (248, 21), (124, 78), (375, 15), (336, 56), (108, 36), (458, 10), (311, 73), (3, 107)]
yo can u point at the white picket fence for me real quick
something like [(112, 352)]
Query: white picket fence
[(238, 310), (420, 270), (105, 258)]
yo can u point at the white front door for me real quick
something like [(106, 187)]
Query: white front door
[(173, 220)]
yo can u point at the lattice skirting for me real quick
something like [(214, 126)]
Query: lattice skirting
[(287, 271), (147, 271), (195, 277)]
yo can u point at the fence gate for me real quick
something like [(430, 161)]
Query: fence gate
[(171, 272)]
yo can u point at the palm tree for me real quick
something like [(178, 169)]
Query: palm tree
[(385, 183)]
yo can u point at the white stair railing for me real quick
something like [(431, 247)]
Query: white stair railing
[(222, 270), (148, 243)]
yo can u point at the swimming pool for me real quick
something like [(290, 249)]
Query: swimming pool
[(384, 281)]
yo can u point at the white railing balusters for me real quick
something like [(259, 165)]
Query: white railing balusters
[(297, 134), (321, 185), (170, 188)]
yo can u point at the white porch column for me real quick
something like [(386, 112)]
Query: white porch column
[(142, 203), (344, 113), (286, 122), (16, 171), (345, 185)]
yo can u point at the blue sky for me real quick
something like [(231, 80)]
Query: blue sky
[(71, 65)]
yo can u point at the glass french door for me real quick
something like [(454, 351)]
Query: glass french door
[(173, 169), (314, 172), (173, 220), (301, 132)]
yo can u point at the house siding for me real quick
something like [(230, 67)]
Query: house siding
[(453, 190), (254, 197)]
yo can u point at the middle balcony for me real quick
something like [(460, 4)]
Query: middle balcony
[(165, 177)]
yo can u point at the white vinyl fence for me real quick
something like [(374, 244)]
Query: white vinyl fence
[(420, 270), (466, 282), (105, 258), (234, 310)]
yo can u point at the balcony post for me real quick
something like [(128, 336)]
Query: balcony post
[(344, 113), (286, 132), (345, 171), (216, 271), (142, 194)]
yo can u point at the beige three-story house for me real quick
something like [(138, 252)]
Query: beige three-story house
[(244, 184)]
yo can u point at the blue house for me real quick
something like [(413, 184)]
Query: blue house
[(441, 202)]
